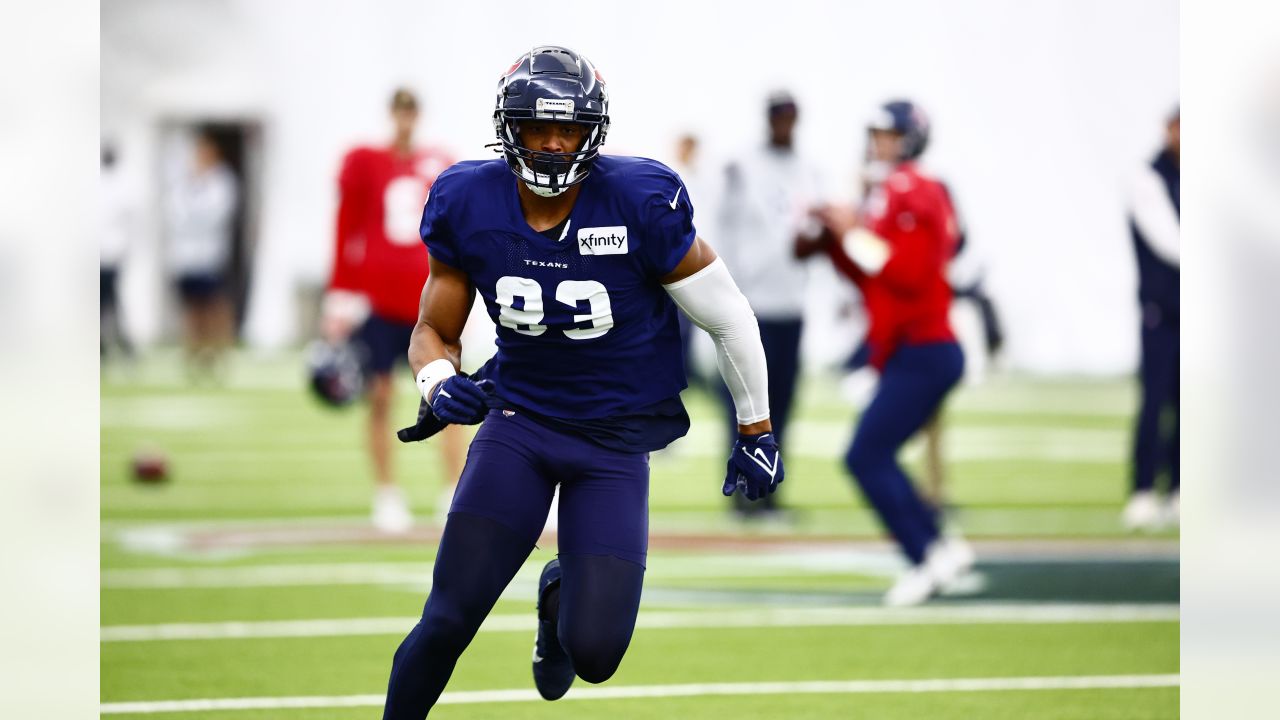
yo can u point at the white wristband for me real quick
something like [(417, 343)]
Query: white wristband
[(433, 373)]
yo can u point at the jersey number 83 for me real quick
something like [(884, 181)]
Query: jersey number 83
[(527, 319)]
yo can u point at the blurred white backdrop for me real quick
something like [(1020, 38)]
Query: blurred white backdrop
[(1041, 111)]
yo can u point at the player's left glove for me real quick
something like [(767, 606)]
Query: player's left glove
[(755, 467)]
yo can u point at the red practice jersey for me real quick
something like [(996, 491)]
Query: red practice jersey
[(378, 252), (908, 301)]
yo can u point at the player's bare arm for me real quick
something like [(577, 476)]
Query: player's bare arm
[(435, 349), (442, 313)]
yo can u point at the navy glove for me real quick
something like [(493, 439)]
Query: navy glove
[(428, 424), (461, 401), (755, 467)]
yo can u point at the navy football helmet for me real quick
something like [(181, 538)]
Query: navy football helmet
[(555, 84), (908, 120), (336, 372)]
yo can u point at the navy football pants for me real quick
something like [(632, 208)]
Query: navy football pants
[(498, 512), (1156, 447), (912, 386)]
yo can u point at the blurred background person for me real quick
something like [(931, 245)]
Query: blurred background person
[(119, 208), (896, 251), (973, 315), (698, 178), (379, 268), (201, 211), (770, 192), (1153, 222)]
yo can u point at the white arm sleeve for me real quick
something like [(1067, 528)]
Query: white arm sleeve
[(1154, 215), (714, 303)]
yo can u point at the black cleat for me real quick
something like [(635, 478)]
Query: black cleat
[(552, 670)]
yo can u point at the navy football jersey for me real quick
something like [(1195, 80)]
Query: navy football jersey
[(585, 330)]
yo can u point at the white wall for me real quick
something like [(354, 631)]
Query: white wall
[(1041, 109)]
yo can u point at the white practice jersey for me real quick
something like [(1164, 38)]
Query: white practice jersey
[(201, 211), (768, 194)]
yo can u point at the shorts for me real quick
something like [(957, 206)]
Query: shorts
[(514, 465), (385, 342), (199, 287)]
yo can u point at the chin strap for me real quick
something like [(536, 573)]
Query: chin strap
[(543, 191)]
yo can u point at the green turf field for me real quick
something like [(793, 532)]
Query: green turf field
[(249, 586)]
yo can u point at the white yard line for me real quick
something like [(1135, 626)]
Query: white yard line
[(997, 613), (837, 687)]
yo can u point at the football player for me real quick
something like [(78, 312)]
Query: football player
[(582, 261), (973, 318), (896, 252), (378, 270)]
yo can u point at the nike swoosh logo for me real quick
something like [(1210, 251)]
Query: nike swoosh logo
[(676, 199), (445, 393), (760, 458)]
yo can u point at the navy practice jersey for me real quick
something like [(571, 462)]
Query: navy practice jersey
[(585, 329)]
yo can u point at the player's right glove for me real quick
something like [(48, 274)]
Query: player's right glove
[(461, 401), (755, 467)]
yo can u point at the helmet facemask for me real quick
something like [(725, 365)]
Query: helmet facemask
[(555, 85), (549, 173)]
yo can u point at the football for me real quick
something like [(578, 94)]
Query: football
[(150, 467)]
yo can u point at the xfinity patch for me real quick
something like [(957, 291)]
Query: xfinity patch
[(603, 240)]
